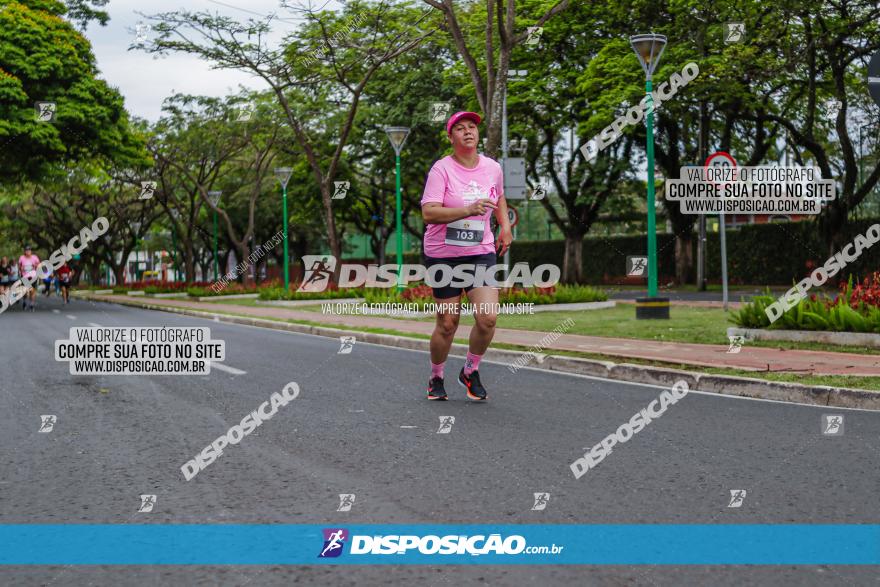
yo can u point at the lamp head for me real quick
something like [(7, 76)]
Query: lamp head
[(283, 175), (648, 49), (397, 135)]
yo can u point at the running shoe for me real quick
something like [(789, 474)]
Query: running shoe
[(436, 389), (475, 389)]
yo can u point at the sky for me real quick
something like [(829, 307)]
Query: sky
[(146, 81)]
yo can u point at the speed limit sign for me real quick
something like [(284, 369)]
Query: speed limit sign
[(512, 216)]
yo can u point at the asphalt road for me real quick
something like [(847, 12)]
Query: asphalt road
[(361, 425)]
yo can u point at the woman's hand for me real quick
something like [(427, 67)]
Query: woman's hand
[(479, 207), (502, 243)]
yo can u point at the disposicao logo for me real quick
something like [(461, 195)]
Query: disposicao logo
[(334, 540)]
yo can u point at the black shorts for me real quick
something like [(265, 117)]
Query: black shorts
[(446, 292)]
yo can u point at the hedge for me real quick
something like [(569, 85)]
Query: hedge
[(776, 254), (761, 254)]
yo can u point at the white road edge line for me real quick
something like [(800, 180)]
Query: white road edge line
[(227, 368), (563, 373)]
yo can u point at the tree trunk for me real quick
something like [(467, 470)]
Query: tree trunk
[(832, 224), (205, 264), (684, 258), (380, 244), (245, 252), (332, 234), (118, 273), (572, 262), (189, 265)]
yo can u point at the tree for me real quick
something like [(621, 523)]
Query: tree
[(193, 145), (354, 44), (44, 59), (558, 107), (400, 94), (501, 35)]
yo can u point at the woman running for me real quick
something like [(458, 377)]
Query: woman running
[(27, 266), (462, 191)]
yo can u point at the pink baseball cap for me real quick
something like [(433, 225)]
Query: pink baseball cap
[(458, 116)]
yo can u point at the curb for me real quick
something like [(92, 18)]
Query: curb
[(817, 395), (299, 303), (832, 337), (248, 296)]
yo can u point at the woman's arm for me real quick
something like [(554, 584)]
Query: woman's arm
[(505, 236), (436, 213)]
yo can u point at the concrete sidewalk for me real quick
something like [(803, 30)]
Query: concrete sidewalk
[(704, 355)]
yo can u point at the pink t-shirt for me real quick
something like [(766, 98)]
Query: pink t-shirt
[(455, 186), (28, 265)]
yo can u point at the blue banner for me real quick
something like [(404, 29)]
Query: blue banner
[(252, 544)]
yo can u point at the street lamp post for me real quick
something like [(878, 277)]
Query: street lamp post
[(514, 75), (397, 135), (214, 198), (648, 49), (283, 175)]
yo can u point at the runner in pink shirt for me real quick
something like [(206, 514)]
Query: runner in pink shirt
[(462, 192), (27, 267)]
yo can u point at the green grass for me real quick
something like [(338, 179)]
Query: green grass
[(686, 324), (702, 325)]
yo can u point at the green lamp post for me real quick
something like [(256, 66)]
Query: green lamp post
[(648, 49), (283, 175), (214, 198), (397, 135)]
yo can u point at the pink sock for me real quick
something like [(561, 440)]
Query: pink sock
[(472, 363), (437, 370)]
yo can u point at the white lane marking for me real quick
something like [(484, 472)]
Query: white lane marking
[(69, 317), (355, 411), (227, 368), (95, 324), (409, 426), (56, 311)]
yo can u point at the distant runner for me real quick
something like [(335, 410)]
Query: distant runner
[(65, 275), (462, 192), (27, 266), (47, 283), (5, 272)]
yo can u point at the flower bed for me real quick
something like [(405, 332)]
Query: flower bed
[(332, 292), (163, 286), (854, 309), (560, 294)]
